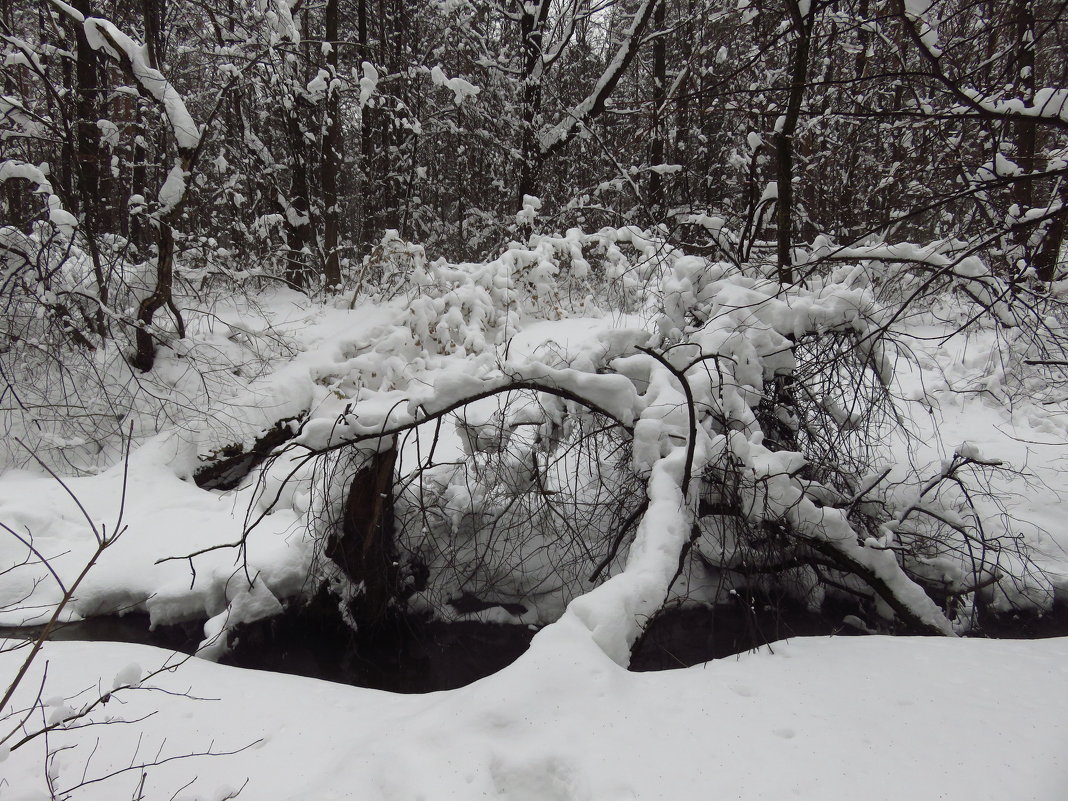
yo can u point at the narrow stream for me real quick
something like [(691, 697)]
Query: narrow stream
[(411, 655)]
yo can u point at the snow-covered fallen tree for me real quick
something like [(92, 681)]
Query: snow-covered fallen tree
[(728, 429), (490, 441)]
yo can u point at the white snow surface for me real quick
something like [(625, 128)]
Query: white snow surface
[(460, 87), (103, 35), (865, 718), (345, 359), (834, 718)]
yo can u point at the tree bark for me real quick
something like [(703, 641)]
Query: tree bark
[(89, 160), (1025, 129), (532, 38), (330, 160), (364, 550), (784, 138)]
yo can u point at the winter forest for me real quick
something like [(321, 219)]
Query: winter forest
[(561, 400)]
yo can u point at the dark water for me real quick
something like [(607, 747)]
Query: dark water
[(401, 655), (130, 627), (412, 655)]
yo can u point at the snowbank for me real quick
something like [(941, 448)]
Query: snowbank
[(821, 718)]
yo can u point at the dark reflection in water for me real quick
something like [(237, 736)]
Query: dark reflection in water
[(412, 655), (130, 627)]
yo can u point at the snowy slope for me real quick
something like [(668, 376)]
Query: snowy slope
[(821, 718), (969, 389)]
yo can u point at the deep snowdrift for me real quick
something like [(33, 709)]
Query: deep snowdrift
[(821, 718)]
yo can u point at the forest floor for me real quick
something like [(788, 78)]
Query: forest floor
[(812, 718)]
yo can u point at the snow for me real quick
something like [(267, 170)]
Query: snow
[(317, 87), (855, 717), (352, 374), (165, 516), (1001, 166), (461, 88), (477, 328), (368, 82), (173, 189), (103, 35), (62, 219), (1047, 103), (963, 393), (922, 14), (127, 676), (531, 205), (587, 427)]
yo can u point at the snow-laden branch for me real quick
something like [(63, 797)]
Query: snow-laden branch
[(694, 414), (57, 215), (688, 403), (134, 59), (103, 35), (921, 13), (1047, 105), (985, 288), (563, 132), (614, 613)]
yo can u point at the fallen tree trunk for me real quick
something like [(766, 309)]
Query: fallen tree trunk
[(227, 467)]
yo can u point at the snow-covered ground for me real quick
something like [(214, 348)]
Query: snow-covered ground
[(950, 392), (821, 718), (969, 388), (862, 718)]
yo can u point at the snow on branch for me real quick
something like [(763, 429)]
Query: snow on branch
[(689, 409), (687, 399), (978, 282), (57, 215), (102, 35), (1048, 105), (563, 132), (921, 12)]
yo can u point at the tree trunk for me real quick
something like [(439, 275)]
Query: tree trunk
[(297, 219), (1048, 253), (364, 550), (368, 220), (1025, 130), (784, 138), (145, 356), (532, 36), (656, 146), (330, 158), (89, 162)]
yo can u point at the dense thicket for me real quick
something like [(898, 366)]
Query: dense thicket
[(320, 125), (154, 152)]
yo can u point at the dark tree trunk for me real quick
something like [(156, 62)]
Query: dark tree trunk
[(532, 36), (784, 138), (331, 158), (145, 356), (368, 217), (89, 156), (656, 147), (297, 220), (364, 549), (1048, 253)]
